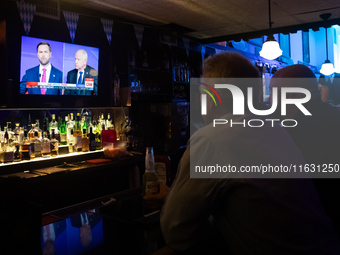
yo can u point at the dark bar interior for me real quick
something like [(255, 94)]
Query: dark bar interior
[(117, 135)]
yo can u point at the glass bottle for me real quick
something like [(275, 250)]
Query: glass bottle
[(21, 134), (70, 126), (37, 127), (85, 142), (63, 132), (108, 122), (54, 145), (31, 132), (84, 124), (92, 140), (46, 146), (36, 146), (46, 127), (25, 147), (10, 132), (77, 134), (29, 123), (16, 148), (54, 126), (71, 142), (8, 154), (150, 180), (162, 168)]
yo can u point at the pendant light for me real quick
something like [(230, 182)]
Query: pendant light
[(327, 68), (270, 48)]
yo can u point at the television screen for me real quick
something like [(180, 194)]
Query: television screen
[(56, 68)]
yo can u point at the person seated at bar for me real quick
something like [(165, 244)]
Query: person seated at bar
[(317, 136), (238, 214)]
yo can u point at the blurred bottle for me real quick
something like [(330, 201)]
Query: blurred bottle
[(63, 132), (46, 146), (150, 180), (16, 148), (36, 146), (54, 145), (162, 168), (77, 134), (37, 127), (92, 140), (85, 142), (25, 147), (71, 142)]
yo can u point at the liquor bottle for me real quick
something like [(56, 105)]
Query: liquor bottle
[(54, 145), (16, 147), (46, 146), (36, 146), (162, 168), (63, 132), (8, 155), (46, 127), (84, 123), (29, 123), (54, 126), (21, 134), (25, 147), (77, 134), (108, 123), (150, 180), (116, 86), (71, 142), (17, 128), (92, 140), (31, 132), (6, 137), (70, 126), (10, 132), (98, 140), (37, 127), (85, 142)]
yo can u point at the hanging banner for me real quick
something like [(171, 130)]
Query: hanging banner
[(107, 25), (139, 30), (186, 42), (203, 52), (71, 21), (27, 12)]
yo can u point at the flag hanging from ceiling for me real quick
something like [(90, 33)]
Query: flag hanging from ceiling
[(27, 12), (107, 25), (186, 42), (71, 21), (139, 30)]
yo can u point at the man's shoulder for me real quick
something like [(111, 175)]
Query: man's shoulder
[(72, 71), (33, 69), (91, 71)]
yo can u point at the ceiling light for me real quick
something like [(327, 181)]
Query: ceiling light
[(270, 48), (327, 68)]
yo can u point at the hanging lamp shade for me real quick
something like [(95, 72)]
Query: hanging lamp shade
[(270, 49), (327, 68)]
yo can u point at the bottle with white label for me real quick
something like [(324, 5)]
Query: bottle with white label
[(162, 168)]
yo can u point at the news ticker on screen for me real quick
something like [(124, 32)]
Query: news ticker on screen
[(47, 85)]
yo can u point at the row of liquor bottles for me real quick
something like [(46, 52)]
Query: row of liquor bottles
[(76, 134)]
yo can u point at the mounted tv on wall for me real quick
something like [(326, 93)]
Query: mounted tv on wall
[(56, 68)]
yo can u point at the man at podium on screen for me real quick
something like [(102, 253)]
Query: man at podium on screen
[(81, 74), (44, 72)]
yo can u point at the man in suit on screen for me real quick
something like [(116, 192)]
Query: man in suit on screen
[(44, 72), (80, 74)]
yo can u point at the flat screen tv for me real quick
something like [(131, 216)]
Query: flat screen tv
[(56, 68)]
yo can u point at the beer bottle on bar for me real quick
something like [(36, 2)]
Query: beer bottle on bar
[(25, 147)]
